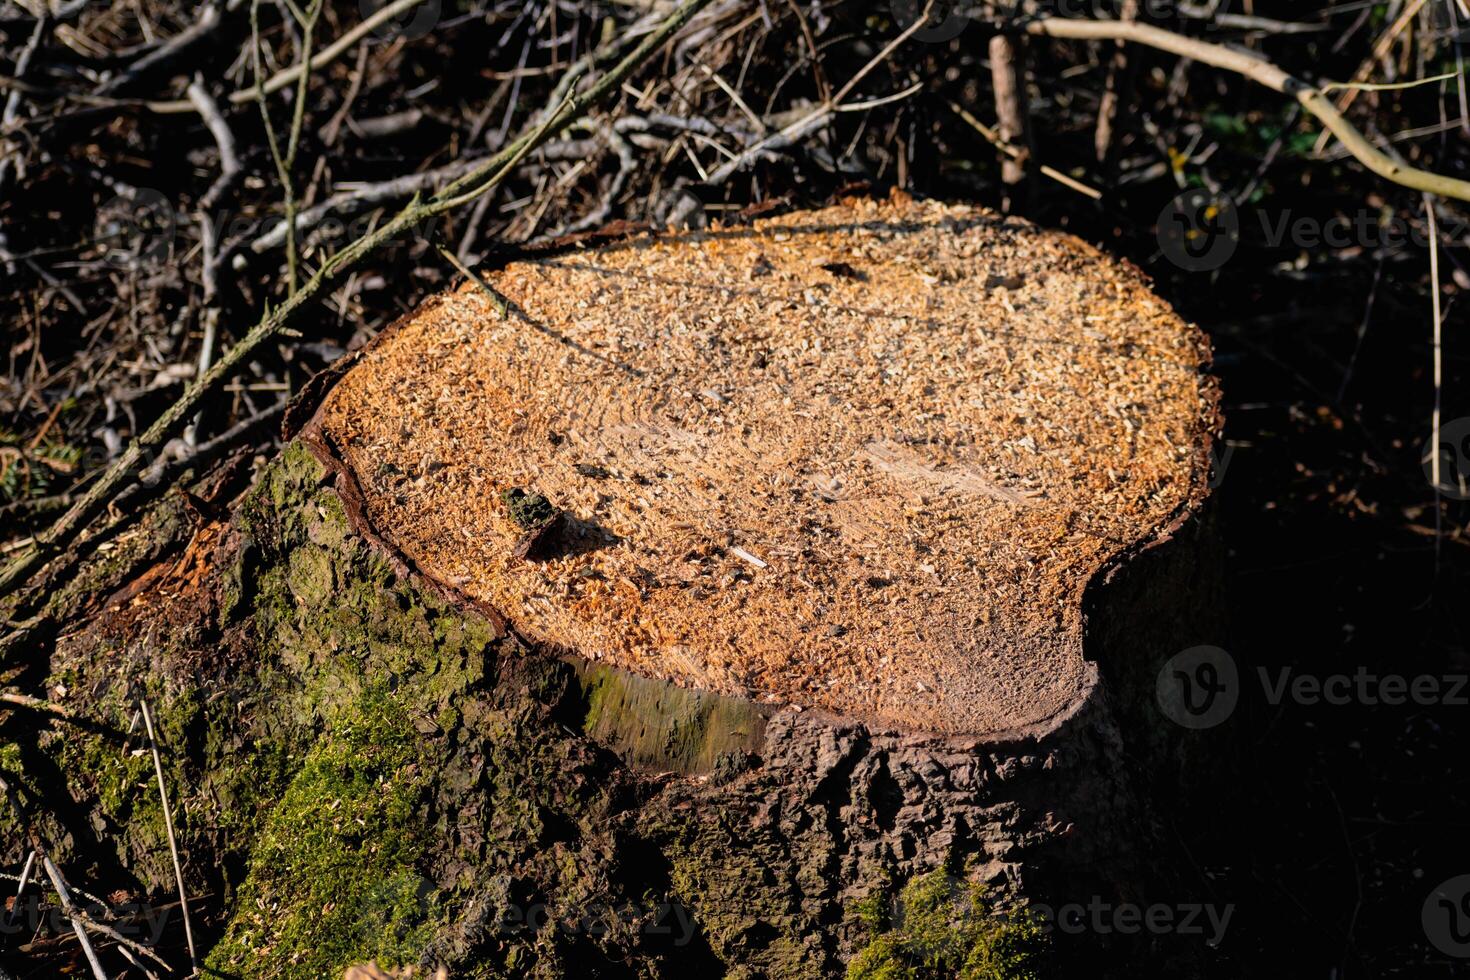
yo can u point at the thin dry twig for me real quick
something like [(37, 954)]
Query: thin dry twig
[(285, 161), (1380, 50), (318, 61), (1007, 75), (1438, 375), (994, 138), (124, 943), (1107, 106), (20, 700), (820, 115), (501, 306), (1267, 74), (230, 171), (78, 923), (168, 826), (20, 888)]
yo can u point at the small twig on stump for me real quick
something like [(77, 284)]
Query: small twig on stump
[(501, 306)]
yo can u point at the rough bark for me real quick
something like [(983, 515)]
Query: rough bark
[(364, 767)]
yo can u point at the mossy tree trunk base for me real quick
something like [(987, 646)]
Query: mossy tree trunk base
[(362, 767)]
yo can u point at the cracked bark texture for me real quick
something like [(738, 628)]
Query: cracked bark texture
[(365, 767)]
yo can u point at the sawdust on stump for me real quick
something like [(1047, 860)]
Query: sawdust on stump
[(864, 459)]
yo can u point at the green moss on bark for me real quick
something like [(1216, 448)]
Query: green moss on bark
[(333, 874), (941, 927)]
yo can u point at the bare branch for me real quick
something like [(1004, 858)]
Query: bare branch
[(1267, 74)]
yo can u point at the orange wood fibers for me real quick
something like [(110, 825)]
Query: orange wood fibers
[(864, 459)]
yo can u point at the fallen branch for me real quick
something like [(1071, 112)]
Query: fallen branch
[(1259, 70), (362, 197), (819, 116), (8, 116), (18, 700), (211, 17), (319, 60), (468, 188)]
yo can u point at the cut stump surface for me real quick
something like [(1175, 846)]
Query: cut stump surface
[(865, 459)]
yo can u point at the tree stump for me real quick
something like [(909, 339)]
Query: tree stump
[(665, 603)]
